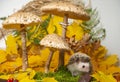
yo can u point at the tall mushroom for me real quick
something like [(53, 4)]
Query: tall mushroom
[(20, 21), (66, 10), (53, 41)]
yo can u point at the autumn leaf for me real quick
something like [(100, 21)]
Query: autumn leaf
[(3, 55), (101, 77), (29, 73), (5, 76), (75, 29), (100, 52), (54, 26), (110, 60), (113, 69), (27, 80), (48, 79), (11, 45), (34, 60)]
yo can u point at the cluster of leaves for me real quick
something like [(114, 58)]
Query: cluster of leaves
[(26, 76), (93, 26)]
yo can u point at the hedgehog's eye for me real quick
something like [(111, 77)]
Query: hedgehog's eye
[(83, 66)]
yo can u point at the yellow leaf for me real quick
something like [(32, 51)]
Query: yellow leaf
[(44, 17), (11, 45), (48, 79), (31, 73), (51, 27), (28, 74), (101, 77), (55, 24), (113, 69), (34, 60), (110, 60), (3, 55), (27, 80), (100, 52), (4, 76), (75, 29)]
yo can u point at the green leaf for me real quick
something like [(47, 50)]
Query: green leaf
[(36, 41), (3, 18)]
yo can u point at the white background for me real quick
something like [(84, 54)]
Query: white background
[(109, 11)]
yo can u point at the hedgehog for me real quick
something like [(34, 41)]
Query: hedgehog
[(79, 63)]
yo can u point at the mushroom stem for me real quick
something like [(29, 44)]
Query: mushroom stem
[(47, 65), (61, 53), (24, 51), (61, 58), (64, 25)]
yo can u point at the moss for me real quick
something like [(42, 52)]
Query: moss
[(62, 75)]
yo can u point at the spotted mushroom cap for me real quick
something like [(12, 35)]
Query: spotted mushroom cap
[(34, 7), (54, 41), (79, 57), (21, 20), (62, 8)]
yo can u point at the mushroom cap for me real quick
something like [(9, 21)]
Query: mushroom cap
[(21, 20), (54, 41), (34, 7), (66, 8)]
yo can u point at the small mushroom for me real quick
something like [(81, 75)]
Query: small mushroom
[(53, 41), (20, 21), (67, 10)]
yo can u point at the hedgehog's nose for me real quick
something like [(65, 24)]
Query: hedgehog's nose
[(83, 66)]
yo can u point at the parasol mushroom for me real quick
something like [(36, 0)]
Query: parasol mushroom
[(34, 7), (20, 21), (53, 41), (67, 10)]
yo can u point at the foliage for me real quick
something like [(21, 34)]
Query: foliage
[(3, 55), (73, 29), (21, 76), (62, 75), (37, 32), (54, 26), (2, 18), (11, 45), (93, 26), (104, 66), (49, 80), (101, 77)]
